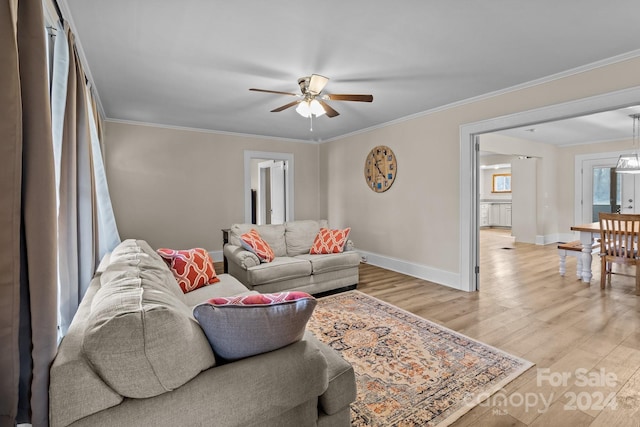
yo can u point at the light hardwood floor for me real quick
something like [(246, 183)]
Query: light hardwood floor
[(567, 328)]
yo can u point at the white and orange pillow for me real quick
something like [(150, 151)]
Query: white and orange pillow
[(252, 241), (330, 241), (192, 268)]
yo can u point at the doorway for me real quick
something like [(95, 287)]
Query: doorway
[(600, 189), (269, 176), (469, 203), (270, 203)]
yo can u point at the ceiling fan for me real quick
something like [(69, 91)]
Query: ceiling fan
[(312, 101)]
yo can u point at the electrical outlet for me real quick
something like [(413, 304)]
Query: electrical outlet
[(363, 258)]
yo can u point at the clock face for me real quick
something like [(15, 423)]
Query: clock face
[(380, 168)]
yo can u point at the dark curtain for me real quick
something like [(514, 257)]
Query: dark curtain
[(28, 234)]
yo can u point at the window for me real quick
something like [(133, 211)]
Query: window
[(501, 183)]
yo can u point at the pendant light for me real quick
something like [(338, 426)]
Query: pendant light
[(630, 163)]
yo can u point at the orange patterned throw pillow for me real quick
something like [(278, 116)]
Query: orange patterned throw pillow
[(192, 268), (252, 241), (330, 241)]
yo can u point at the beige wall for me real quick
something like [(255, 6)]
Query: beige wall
[(417, 220), (160, 177), (177, 188)]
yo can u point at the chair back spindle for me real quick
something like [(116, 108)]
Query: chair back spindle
[(619, 236)]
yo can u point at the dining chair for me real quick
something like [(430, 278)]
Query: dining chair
[(619, 235)]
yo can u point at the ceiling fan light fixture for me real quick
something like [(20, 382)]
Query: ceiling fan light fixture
[(307, 108), (311, 101), (303, 109), (316, 108)]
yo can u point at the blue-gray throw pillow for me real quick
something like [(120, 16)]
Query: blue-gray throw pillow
[(246, 325)]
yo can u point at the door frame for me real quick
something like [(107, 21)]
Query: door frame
[(580, 178), (469, 198), (288, 187)]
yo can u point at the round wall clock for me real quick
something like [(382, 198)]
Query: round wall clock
[(380, 168)]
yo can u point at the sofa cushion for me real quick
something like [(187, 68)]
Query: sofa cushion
[(299, 235), (243, 326), (342, 389), (273, 234), (252, 242), (132, 256), (281, 268), (329, 241), (192, 268), (128, 246), (139, 337), (331, 262)]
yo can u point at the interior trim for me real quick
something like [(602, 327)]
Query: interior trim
[(420, 271)]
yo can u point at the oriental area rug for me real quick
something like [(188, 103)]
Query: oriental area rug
[(409, 371)]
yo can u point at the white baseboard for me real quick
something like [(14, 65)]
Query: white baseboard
[(555, 238), (424, 272)]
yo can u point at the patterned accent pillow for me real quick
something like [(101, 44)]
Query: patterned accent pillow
[(252, 241), (192, 268), (246, 325), (330, 241)]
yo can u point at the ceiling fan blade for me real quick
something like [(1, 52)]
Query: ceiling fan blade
[(273, 91), (284, 107), (327, 108), (345, 97), (317, 83)]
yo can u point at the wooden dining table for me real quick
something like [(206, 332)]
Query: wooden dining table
[(588, 232)]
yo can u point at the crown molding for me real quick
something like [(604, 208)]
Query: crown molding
[(553, 77)]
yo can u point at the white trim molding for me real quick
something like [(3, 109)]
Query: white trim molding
[(423, 272)]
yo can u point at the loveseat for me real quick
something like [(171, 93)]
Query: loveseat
[(135, 355), (293, 268)]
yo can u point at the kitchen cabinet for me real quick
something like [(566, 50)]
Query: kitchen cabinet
[(507, 215), (495, 214), (484, 214)]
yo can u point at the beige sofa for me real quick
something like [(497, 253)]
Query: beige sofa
[(135, 355), (293, 267)]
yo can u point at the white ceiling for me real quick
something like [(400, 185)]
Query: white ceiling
[(599, 127), (190, 63)]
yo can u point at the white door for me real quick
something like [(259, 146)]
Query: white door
[(628, 193), (278, 201), (603, 190), (272, 199)]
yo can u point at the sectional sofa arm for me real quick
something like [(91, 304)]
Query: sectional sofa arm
[(240, 256)]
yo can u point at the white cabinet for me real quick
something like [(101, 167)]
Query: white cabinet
[(495, 214), (484, 214), (507, 214)]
